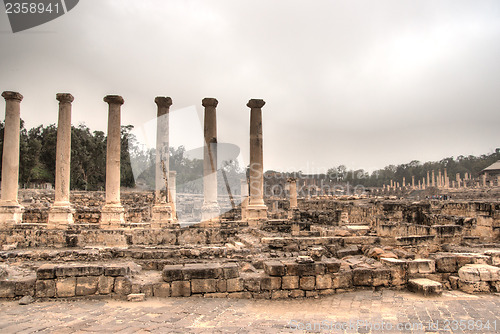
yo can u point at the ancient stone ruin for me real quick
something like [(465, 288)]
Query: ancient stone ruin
[(60, 244)]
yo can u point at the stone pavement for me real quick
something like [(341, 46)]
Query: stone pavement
[(383, 311)]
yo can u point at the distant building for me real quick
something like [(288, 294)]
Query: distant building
[(492, 171)]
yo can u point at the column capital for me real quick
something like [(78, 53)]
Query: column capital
[(163, 101), (64, 97), (255, 103), (209, 102), (113, 99), (8, 95)]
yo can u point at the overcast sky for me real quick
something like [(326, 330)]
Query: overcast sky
[(360, 83)]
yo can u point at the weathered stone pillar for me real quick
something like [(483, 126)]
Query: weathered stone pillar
[(433, 179), (112, 213), (457, 177), (210, 209), (483, 178), (161, 213), (10, 211), (446, 179), (404, 182), (61, 213), (428, 180), (439, 179), (419, 185), (412, 182), (257, 210), (292, 188), (423, 182)]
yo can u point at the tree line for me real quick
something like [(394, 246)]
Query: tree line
[(37, 161)]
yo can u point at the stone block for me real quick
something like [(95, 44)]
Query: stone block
[(123, 286), (381, 277), (46, 271), (473, 287), (105, 285), (362, 277), (326, 292), (274, 268), (221, 285), (280, 294), (332, 265), (75, 270), (304, 269), (117, 270), (425, 286), (234, 285), (342, 280), (202, 271), (181, 288), (252, 284), (454, 282), (311, 293), (240, 295), (25, 286), (421, 266), (161, 290), (45, 288), (297, 293), (479, 272), (66, 287), (7, 289), (203, 285), (231, 270), (270, 283), (172, 273), (290, 282), (307, 282), (446, 264), (324, 282), (262, 295), (86, 285), (136, 297)]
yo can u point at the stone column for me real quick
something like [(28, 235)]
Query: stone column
[(412, 182), (61, 213), (172, 193), (112, 213), (10, 211), (210, 210), (292, 188), (439, 179), (161, 213), (257, 210), (404, 182), (428, 180), (423, 183), (457, 177), (446, 179), (483, 178), (419, 185), (433, 179)]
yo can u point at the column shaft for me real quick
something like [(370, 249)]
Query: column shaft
[(61, 214), (257, 209), (10, 210), (112, 215), (210, 209)]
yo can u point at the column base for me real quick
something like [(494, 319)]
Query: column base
[(112, 217), (256, 214), (60, 217), (11, 215), (162, 216), (210, 212)]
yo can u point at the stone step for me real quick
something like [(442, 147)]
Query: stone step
[(425, 286)]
